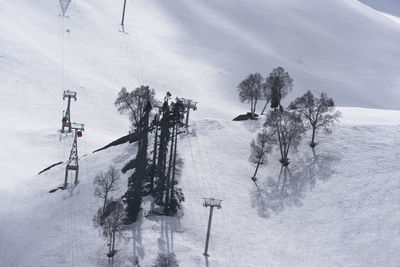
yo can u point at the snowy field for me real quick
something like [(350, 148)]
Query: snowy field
[(340, 204), (338, 207)]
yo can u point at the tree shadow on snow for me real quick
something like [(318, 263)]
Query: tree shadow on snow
[(293, 181), (167, 226)]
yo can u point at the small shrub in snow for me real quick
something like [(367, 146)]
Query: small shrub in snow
[(166, 260)]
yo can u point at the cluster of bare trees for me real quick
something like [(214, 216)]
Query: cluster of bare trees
[(110, 217), (285, 127), (271, 89), (157, 175)]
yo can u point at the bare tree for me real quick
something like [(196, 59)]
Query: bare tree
[(277, 86), (133, 103), (259, 150), (250, 90), (318, 112), (111, 225), (166, 260), (105, 183), (287, 127)]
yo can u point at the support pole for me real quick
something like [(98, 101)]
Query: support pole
[(189, 104), (66, 121), (210, 202), (73, 161), (187, 118), (208, 231), (123, 15)]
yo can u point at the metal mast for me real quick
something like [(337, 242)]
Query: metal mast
[(189, 104), (66, 120), (73, 164), (64, 6), (210, 202), (123, 15)]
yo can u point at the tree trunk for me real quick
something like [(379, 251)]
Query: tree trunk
[(266, 104), (254, 108), (153, 173), (162, 154), (105, 201), (167, 196), (110, 244), (113, 240), (258, 165), (313, 137), (251, 107), (174, 166)]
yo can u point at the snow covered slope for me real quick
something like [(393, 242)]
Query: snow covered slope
[(200, 50), (387, 6), (338, 208)]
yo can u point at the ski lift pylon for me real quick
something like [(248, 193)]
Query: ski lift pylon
[(64, 6)]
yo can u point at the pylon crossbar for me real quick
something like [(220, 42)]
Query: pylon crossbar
[(68, 93), (78, 126), (188, 104), (66, 121), (212, 202)]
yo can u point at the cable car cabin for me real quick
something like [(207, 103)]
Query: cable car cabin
[(79, 133), (64, 120)]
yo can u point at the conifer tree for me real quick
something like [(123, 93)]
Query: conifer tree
[(133, 196)]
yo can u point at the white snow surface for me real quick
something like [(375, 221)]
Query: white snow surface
[(340, 205), (338, 209)]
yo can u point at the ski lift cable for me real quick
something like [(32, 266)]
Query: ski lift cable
[(195, 221), (126, 54), (197, 179), (138, 46), (211, 192), (227, 233)]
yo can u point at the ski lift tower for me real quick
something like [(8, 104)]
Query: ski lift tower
[(212, 203), (72, 164), (64, 6), (66, 119), (189, 104)]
